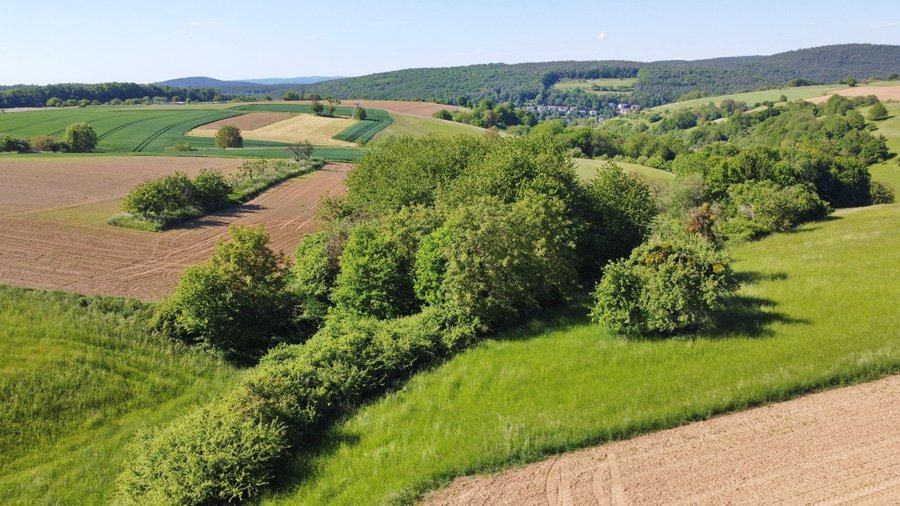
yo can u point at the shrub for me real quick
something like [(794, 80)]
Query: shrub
[(183, 146), (878, 112), (211, 189), (880, 194), (47, 143), (312, 279), (158, 197), (215, 455), (664, 286), (13, 144), (236, 302), (762, 207), (81, 138), (444, 114), (373, 278), (623, 210), (229, 136), (492, 261)]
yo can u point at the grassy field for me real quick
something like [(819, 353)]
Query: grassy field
[(417, 126), (755, 97), (888, 172), (811, 314), (78, 378), (587, 168), (598, 86)]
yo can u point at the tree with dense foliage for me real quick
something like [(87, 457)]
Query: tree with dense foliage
[(237, 302), (81, 138), (229, 136), (161, 196), (316, 107), (667, 285), (359, 112), (444, 114), (291, 96), (878, 112)]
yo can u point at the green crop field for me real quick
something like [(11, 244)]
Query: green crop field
[(78, 378), (818, 308), (598, 86), (376, 121), (417, 126)]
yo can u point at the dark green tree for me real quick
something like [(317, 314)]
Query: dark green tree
[(878, 112), (81, 138), (229, 136)]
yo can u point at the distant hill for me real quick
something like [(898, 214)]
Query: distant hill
[(658, 82), (292, 80), (203, 82)]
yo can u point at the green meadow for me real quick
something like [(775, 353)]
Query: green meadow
[(756, 97), (818, 308), (606, 86), (79, 377)]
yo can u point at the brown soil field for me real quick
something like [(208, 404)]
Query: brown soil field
[(59, 239), (882, 92), (249, 121), (835, 447)]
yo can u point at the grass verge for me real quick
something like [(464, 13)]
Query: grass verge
[(817, 309), (79, 377), (245, 191)]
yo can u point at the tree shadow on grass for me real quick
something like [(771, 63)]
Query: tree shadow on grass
[(748, 316)]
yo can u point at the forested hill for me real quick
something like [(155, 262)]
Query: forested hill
[(659, 82)]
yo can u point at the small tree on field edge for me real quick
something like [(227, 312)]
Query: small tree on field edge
[(229, 136), (301, 150), (878, 112), (81, 138), (359, 112), (316, 107), (291, 96)]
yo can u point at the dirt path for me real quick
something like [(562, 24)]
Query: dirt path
[(48, 248), (835, 447)]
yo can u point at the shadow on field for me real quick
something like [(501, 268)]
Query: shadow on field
[(746, 316), (220, 218)]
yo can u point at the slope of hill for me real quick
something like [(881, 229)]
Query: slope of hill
[(658, 82), (79, 377), (203, 82), (292, 80), (809, 316)]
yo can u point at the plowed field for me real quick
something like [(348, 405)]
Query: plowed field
[(53, 233), (837, 447)]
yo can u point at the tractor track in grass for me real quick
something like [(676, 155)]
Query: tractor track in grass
[(836, 447)]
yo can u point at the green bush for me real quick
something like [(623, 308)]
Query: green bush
[(878, 112), (312, 280), (81, 138), (760, 208), (47, 143), (211, 189), (374, 278), (13, 144), (236, 302), (158, 197), (880, 194), (664, 286), (229, 136), (215, 455)]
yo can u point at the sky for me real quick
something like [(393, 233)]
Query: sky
[(92, 41)]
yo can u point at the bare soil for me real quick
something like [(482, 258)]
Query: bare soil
[(249, 121), (882, 92), (55, 236), (835, 447), (421, 109)]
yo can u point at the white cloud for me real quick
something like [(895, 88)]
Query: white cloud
[(601, 36)]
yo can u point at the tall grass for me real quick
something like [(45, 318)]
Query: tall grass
[(818, 308), (78, 378)]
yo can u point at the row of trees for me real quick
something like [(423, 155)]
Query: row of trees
[(40, 96)]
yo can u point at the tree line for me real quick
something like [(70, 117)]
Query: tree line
[(39, 96)]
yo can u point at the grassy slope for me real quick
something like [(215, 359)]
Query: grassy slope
[(416, 126), (587, 168), (818, 308), (888, 172), (76, 383), (621, 86), (754, 97)]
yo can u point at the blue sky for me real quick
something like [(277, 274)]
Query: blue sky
[(92, 41)]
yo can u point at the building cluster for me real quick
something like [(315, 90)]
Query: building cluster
[(562, 111)]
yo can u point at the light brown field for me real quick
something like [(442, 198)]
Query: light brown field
[(421, 109), (249, 121), (318, 130), (836, 447), (882, 92), (53, 233)]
